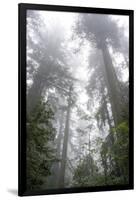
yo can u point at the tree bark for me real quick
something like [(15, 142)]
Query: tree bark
[(59, 141), (65, 143), (112, 85)]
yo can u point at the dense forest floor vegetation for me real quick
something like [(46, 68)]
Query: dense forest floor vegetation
[(77, 100)]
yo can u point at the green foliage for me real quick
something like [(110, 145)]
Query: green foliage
[(114, 161), (40, 152), (86, 172), (114, 155), (121, 149)]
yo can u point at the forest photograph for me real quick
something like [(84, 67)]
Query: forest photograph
[(77, 93)]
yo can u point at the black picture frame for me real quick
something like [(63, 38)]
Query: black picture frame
[(22, 98)]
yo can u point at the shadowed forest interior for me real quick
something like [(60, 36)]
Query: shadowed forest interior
[(77, 100)]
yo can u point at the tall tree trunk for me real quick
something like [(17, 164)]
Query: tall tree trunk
[(112, 85), (65, 143), (59, 141), (114, 93)]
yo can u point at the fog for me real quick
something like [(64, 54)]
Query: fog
[(77, 99)]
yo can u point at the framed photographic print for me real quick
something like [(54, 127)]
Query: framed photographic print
[(75, 99)]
